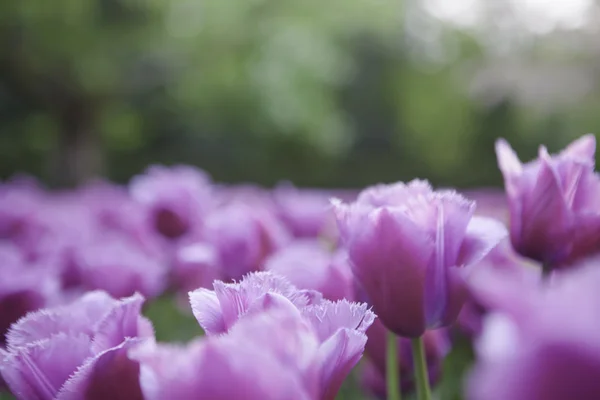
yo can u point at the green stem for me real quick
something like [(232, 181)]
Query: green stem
[(392, 371), (420, 367)]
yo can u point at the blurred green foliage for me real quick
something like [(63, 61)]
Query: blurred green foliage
[(320, 93)]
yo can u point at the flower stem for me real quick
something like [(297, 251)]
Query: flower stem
[(420, 366), (392, 370)]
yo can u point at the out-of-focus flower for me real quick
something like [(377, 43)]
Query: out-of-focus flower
[(373, 373), (177, 198), (244, 236), (307, 213), (23, 288), (195, 265), (543, 345), (77, 351), (554, 213), (412, 250), (340, 326), (501, 268), (266, 356), (119, 268), (21, 211), (308, 265)]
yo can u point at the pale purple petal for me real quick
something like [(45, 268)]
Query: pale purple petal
[(388, 255), (337, 356), (109, 375), (207, 310), (81, 316), (122, 322), (583, 148), (328, 317), (483, 234), (37, 371)]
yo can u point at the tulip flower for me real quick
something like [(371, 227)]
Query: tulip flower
[(118, 267), (306, 213), (543, 346), (308, 265), (194, 265), (340, 325), (412, 250), (77, 351), (502, 269), (554, 213), (23, 288), (244, 236), (176, 198), (266, 356)]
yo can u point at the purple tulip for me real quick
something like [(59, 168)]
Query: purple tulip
[(77, 351), (501, 268), (308, 265), (244, 236), (219, 309), (177, 198), (543, 346), (195, 265), (554, 213), (23, 288), (412, 250), (121, 269), (21, 212), (266, 356), (340, 325), (373, 372), (307, 213)]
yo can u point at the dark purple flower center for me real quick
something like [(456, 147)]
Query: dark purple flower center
[(169, 224)]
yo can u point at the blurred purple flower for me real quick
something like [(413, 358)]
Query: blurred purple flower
[(195, 265), (412, 250), (308, 265), (77, 351), (267, 356), (22, 288), (121, 269), (554, 213), (501, 268), (177, 198), (244, 236), (21, 211), (112, 210), (307, 213), (340, 325), (373, 373), (543, 346)]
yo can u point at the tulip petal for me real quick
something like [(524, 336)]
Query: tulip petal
[(37, 371), (583, 148), (510, 166), (109, 375), (388, 255), (337, 356), (80, 316), (329, 317), (207, 310), (120, 323), (547, 223), (483, 234)]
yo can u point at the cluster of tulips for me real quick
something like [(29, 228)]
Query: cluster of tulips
[(293, 287)]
